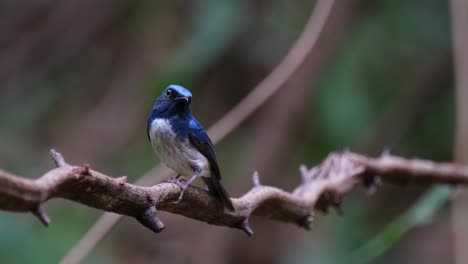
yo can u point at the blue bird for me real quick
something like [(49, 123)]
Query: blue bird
[(182, 143)]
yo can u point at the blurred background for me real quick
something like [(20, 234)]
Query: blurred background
[(81, 76)]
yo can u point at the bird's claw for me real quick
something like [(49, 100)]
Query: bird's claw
[(181, 185), (181, 195), (176, 182)]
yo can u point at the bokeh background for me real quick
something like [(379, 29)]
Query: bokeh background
[(81, 76)]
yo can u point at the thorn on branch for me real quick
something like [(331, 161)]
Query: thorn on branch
[(256, 179), (58, 158), (371, 183), (308, 175), (336, 204), (386, 152), (244, 225), (306, 222), (149, 219), (122, 180), (330, 199), (304, 173), (338, 209), (86, 169), (40, 213)]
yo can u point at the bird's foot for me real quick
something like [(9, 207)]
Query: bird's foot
[(183, 187), (176, 182)]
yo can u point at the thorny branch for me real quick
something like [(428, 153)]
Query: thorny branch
[(322, 187)]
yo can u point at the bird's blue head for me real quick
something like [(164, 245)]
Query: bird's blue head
[(175, 100)]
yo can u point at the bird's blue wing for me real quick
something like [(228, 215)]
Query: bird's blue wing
[(200, 140)]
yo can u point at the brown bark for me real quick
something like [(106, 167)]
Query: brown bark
[(322, 186)]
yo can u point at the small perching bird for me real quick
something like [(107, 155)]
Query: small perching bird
[(182, 143)]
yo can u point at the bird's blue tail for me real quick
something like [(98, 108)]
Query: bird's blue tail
[(216, 187)]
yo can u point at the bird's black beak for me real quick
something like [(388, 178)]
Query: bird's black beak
[(183, 98)]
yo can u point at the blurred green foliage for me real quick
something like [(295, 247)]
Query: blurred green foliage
[(219, 49)]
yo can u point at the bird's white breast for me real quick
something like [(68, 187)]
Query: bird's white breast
[(178, 154)]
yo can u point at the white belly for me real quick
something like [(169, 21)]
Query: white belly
[(178, 155)]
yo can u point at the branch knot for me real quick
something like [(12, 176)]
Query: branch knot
[(149, 218)]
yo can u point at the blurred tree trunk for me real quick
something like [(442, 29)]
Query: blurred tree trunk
[(276, 134), (403, 116), (460, 53)]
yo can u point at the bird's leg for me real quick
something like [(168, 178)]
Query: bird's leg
[(196, 173)]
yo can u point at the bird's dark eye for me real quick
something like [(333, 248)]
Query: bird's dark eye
[(169, 93)]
